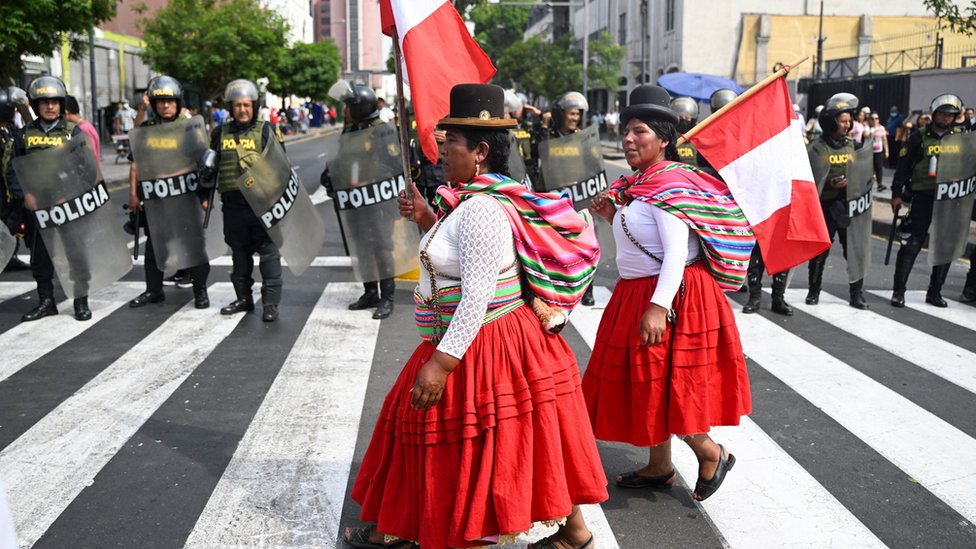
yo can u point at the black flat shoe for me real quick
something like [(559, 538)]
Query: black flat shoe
[(936, 300), (705, 488), (238, 306), (384, 310), (146, 298), (359, 538), (366, 301), (549, 542), (898, 299), (634, 480), (45, 308), (270, 313)]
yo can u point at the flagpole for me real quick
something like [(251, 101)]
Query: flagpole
[(745, 95), (402, 107)]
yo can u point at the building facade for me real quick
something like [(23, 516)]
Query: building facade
[(354, 26)]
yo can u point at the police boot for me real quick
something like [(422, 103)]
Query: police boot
[(82, 311), (903, 268), (244, 302), (934, 294), (588, 297), (780, 306), (45, 307), (857, 295), (201, 300), (146, 298), (816, 278), (385, 307), (369, 299), (754, 285), (969, 290), (270, 313), (15, 263)]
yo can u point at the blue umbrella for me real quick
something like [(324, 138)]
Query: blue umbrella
[(695, 85)]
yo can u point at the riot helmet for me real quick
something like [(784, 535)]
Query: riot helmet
[(165, 87), (947, 102), (46, 87), (721, 98), (566, 102), (687, 110), (14, 98), (359, 98), (241, 88), (6, 107), (838, 104), (513, 103)]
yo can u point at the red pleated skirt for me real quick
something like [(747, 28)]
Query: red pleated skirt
[(507, 445), (695, 379)]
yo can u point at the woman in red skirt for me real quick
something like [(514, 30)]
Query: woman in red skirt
[(485, 430), (667, 358)]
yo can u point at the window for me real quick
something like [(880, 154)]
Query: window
[(622, 30), (669, 16)]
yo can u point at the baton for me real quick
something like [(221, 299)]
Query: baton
[(135, 236), (206, 216), (891, 236)]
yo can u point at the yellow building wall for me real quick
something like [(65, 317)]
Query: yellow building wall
[(792, 37)]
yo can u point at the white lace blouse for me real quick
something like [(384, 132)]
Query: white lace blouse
[(473, 248)]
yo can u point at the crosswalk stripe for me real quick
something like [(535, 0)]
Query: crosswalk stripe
[(48, 466), (892, 425), (940, 357), (956, 313), (10, 290), (327, 261), (753, 509), (298, 449), (28, 341)]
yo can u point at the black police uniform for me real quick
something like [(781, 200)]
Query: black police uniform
[(243, 231), (154, 276), (429, 176), (11, 215), (42, 268), (913, 184), (380, 293)]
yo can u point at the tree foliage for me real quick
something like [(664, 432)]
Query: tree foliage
[(208, 43), (542, 68), (961, 20), (35, 27), (307, 70), (497, 27), (605, 58)]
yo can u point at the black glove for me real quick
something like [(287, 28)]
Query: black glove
[(207, 169)]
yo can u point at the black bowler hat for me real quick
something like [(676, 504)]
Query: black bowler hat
[(648, 101), (477, 106)]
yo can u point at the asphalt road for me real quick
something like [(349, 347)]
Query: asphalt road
[(167, 427)]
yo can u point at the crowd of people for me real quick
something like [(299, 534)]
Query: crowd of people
[(489, 427)]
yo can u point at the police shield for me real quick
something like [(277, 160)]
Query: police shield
[(572, 165), (166, 157), (277, 196), (859, 197), (516, 163), (954, 194), (819, 156), (367, 175), (7, 246), (70, 206)]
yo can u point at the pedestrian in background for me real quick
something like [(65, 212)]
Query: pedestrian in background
[(892, 124), (73, 115), (880, 149)]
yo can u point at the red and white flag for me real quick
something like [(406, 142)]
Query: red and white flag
[(438, 52), (757, 147)]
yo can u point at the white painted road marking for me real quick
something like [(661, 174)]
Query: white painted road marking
[(49, 465), (298, 450), (956, 313), (10, 290)]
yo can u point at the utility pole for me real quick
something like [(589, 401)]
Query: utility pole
[(94, 118), (643, 41), (820, 41), (586, 49)]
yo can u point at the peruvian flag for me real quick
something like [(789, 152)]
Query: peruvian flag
[(438, 52), (757, 147)]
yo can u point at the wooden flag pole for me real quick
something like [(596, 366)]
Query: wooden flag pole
[(745, 95), (402, 110)]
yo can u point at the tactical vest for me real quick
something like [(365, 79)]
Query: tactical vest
[(229, 168), (688, 154), (36, 140), (839, 159), (921, 180)]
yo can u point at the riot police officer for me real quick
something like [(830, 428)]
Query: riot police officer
[(716, 101), (914, 182), (687, 110), (517, 108), (50, 129), (428, 176), (362, 111), (10, 218), (238, 142), (835, 119), (166, 101)]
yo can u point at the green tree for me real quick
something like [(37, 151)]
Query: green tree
[(497, 27), (961, 20), (307, 70), (542, 68), (208, 43), (605, 58), (35, 27)]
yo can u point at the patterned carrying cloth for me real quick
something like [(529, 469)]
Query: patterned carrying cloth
[(507, 298), (557, 246), (706, 205)]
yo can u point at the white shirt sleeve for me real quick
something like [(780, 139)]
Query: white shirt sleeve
[(674, 238), (483, 236)]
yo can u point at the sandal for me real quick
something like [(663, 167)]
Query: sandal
[(359, 538), (547, 543), (705, 488), (635, 480)]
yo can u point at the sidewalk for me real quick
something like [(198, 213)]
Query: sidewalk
[(115, 169)]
